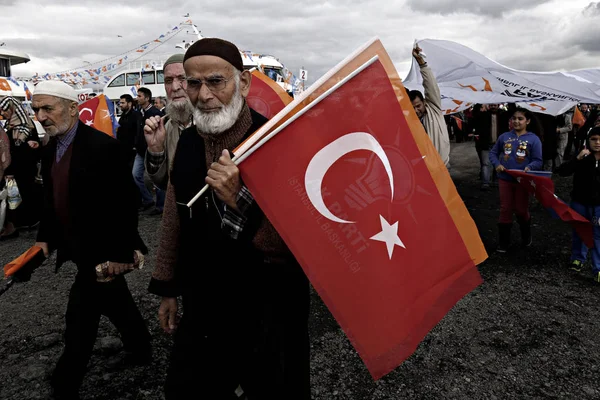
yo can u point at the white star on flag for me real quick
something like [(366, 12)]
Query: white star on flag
[(389, 236), (89, 122)]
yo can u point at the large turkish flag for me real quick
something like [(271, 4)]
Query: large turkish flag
[(350, 192)]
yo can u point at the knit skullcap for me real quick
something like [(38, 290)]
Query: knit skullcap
[(174, 59), (218, 48)]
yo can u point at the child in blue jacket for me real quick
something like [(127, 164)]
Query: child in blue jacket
[(517, 149)]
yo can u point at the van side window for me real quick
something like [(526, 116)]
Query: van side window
[(118, 81), (148, 77), (133, 79)]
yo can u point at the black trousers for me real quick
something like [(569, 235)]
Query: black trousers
[(268, 356), (88, 300)]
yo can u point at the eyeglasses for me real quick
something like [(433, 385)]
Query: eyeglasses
[(212, 84)]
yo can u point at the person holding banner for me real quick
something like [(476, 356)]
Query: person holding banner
[(429, 109), (244, 329), (585, 199), (519, 149)]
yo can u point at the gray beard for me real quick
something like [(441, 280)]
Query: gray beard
[(217, 123), (179, 111)]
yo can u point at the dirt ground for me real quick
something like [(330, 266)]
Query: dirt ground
[(529, 332)]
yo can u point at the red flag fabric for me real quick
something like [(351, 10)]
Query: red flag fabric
[(542, 188), (266, 97), (96, 113), (349, 190), (458, 122)]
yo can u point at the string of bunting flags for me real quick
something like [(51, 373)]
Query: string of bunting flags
[(101, 71)]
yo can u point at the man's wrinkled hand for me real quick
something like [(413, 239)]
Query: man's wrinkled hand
[(167, 314), (155, 134), (115, 268), (224, 179), (500, 168), (417, 55)]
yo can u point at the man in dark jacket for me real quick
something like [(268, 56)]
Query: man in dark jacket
[(147, 110), (244, 327), (89, 217), (128, 126), (489, 123)]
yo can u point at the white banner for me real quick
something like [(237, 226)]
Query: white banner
[(466, 77)]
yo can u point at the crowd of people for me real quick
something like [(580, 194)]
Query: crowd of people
[(243, 332), (509, 137)]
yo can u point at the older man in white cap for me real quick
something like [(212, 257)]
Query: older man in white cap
[(89, 217)]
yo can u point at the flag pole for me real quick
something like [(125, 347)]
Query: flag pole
[(238, 159)]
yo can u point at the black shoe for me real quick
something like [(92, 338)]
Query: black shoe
[(503, 237), (57, 395), (577, 266), (13, 235), (525, 227), (137, 359), (154, 211), (146, 206), (28, 227)]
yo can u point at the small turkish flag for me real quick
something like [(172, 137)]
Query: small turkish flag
[(266, 97), (540, 185), (87, 111), (350, 192), (97, 113)]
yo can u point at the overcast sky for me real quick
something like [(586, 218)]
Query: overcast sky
[(535, 35)]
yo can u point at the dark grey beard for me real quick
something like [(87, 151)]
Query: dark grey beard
[(180, 111)]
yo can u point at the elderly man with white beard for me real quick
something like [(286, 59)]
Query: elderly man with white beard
[(162, 134), (244, 329)]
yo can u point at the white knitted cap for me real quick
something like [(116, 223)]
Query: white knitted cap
[(56, 89)]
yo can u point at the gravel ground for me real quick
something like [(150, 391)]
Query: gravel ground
[(529, 332)]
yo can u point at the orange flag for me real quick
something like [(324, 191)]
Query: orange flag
[(30, 259), (4, 85), (578, 118)]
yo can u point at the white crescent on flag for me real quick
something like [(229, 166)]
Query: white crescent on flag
[(88, 122), (328, 155)]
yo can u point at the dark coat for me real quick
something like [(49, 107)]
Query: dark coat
[(24, 159), (129, 124), (482, 123), (140, 141), (586, 179), (102, 199)]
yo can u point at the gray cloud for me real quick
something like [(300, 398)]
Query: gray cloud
[(592, 9), (313, 34), (583, 31), (479, 7)]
